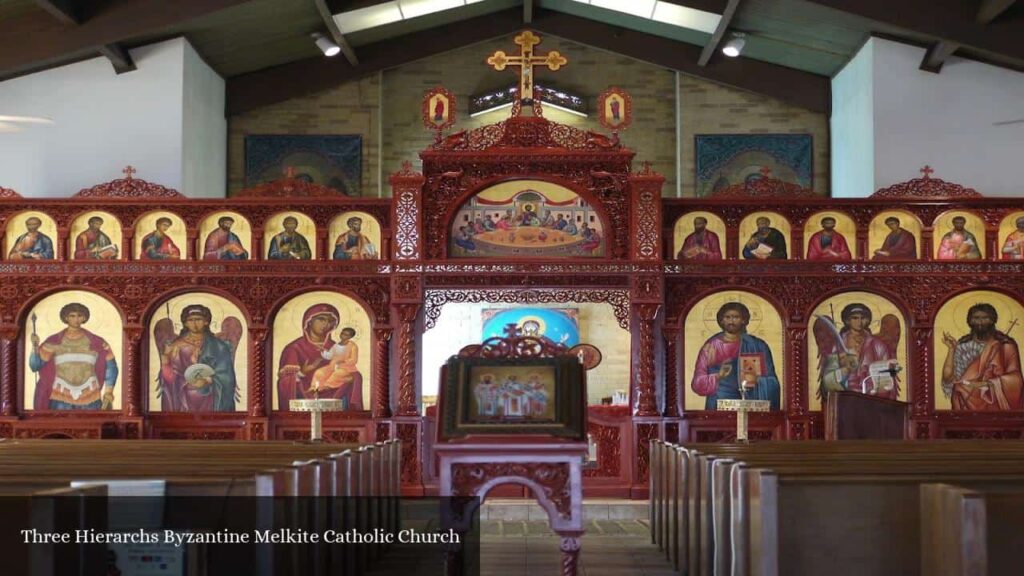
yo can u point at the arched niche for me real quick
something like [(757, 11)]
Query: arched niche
[(845, 227), (224, 235), (160, 235), (78, 359), (751, 245), (705, 351), (704, 249), (990, 366), (96, 235), (281, 244), (876, 340), (183, 355), (527, 219), (354, 235), (951, 244), (307, 348), (25, 240), (879, 232), (1011, 236)]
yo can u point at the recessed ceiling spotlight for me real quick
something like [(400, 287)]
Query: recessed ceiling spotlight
[(734, 46), (326, 45)]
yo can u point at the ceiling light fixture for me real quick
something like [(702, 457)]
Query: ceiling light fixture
[(733, 47), (326, 45)]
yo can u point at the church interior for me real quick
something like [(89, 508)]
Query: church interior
[(659, 287)]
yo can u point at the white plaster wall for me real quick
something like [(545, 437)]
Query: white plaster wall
[(102, 122), (852, 127), (205, 130), (947, 121)]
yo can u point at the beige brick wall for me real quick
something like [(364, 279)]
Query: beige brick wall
[(353, 108), (709, 108)]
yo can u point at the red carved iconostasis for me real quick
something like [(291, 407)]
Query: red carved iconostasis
[(415, 264)]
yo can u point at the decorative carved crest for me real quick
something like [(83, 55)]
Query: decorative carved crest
[(128, 187), (407, 171), (290, 187), (514, 344), (926, 187), (8, 193), (765, 187), (527, 132)]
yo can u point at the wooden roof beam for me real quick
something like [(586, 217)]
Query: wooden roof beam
[(336, 35), (68, 12), (952, 21), (119, 58), (716, 38), (36, 40), (991, 9), (937, 55), (810, 91), (253, 90)]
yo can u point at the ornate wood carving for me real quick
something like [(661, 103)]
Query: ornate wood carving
[(644, 433), (926, 187), (334, 436), (1005, 434), (726, 435), (132, 398), (553, 478), (645, 401), (765, 187), (672, 432), (382, 372), (201, 434), (290, 187), (570, 548), (407, 315), (409, 434), (406, 190), (434, 300), (8, 369), (128, 187), (609, 451), (514, 345), (646, 191), (258, 371), (257, 429), (673, 383), (383, 432), (8, 193)]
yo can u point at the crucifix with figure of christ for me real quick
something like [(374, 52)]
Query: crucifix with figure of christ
[(526, 61)]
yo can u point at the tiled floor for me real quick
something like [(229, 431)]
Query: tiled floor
[(609, 548), (515, 540)]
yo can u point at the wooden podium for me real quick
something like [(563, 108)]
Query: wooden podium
[(856, 416), (481, 446)]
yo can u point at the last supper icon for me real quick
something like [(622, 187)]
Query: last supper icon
[(526, 218)]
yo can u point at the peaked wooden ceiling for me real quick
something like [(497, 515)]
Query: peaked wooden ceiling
[(263, 47)]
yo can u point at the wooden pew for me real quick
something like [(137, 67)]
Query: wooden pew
[(966, 532), (704, 519), (228, 468)]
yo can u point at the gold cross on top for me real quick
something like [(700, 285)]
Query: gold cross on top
[(526, 61)]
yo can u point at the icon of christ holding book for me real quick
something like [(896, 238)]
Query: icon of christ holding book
[(735, 365)]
